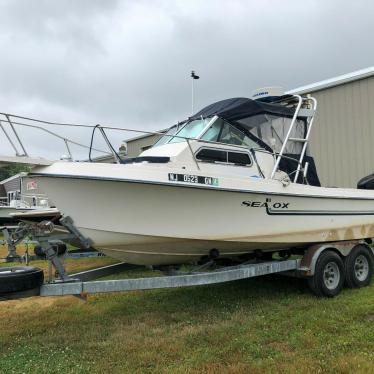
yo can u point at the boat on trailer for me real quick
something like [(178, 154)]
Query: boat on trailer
[(232, 181), (20, 202)]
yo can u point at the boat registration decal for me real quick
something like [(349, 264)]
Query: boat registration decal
[(195, 179)]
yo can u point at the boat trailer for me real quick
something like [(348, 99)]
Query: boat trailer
[(327, 267)]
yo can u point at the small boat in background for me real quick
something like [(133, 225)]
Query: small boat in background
[(19, 194)]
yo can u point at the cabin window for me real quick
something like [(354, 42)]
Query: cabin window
[(232, 135), (239, 158), (212, 155), (223, 132), (222, 156)]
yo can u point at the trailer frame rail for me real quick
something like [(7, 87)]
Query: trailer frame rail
[(170, 281)]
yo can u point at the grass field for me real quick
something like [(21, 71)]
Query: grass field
[(269, 324)]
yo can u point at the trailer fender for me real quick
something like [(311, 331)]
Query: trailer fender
[(342, 248)]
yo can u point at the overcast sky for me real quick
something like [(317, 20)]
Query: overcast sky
[(128, 63)]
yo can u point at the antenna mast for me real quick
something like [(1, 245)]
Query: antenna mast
[(193, 76)]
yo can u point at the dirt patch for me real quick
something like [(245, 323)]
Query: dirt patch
[(39, 302), (370, 317)]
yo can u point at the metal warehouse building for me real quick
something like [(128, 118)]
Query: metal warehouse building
[(342, 139), (137, 145)]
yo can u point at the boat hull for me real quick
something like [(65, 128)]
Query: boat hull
[(159, 223), (152, 250), (6, 214)]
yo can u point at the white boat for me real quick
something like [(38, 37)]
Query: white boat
[(20, 202), (36, 215), (233, 180), (6, 212), (16, 210)]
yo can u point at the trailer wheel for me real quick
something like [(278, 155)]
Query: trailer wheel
[(358, 267), (20, 278), (328, 278)]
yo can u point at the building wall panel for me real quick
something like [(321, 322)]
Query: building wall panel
[(12, 185), (343, 133), (136, 146)]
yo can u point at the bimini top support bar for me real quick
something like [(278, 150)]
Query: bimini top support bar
[(306, 140), (114, 153), (294, 118), (9, 139), (16, 135)]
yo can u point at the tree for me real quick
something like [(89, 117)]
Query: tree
[(13, 169)]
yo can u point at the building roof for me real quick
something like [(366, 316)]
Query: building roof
[(332, 82), (106, 157), (148, 135), (16, 176), (139, 137)]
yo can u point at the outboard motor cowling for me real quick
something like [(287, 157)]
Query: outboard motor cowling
[(366, 183)]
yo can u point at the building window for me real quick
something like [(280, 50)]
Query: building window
[(145, 147)]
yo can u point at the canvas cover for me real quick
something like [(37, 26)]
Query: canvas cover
[(268, 122)]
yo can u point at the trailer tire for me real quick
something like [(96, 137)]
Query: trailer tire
[(20, 278), (328, 278), (358, 267)]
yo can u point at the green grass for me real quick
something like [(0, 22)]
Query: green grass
[(269, 324)]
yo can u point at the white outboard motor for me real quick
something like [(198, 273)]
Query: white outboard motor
[(267, 92)]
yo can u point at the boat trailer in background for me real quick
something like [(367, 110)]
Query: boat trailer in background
[(51, 242), (327, 267)]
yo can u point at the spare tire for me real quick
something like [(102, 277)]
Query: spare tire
[(20, 278)]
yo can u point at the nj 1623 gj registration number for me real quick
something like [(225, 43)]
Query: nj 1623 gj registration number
[(196, 179)]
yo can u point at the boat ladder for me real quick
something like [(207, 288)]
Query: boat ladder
[(306, 108)]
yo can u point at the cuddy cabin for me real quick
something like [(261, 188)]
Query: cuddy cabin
[(243, 138)]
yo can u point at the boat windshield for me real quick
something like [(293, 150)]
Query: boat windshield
[(219, 131), (190, 129), (165, 138)]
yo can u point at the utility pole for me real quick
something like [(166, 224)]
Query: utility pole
[(193, 76)]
